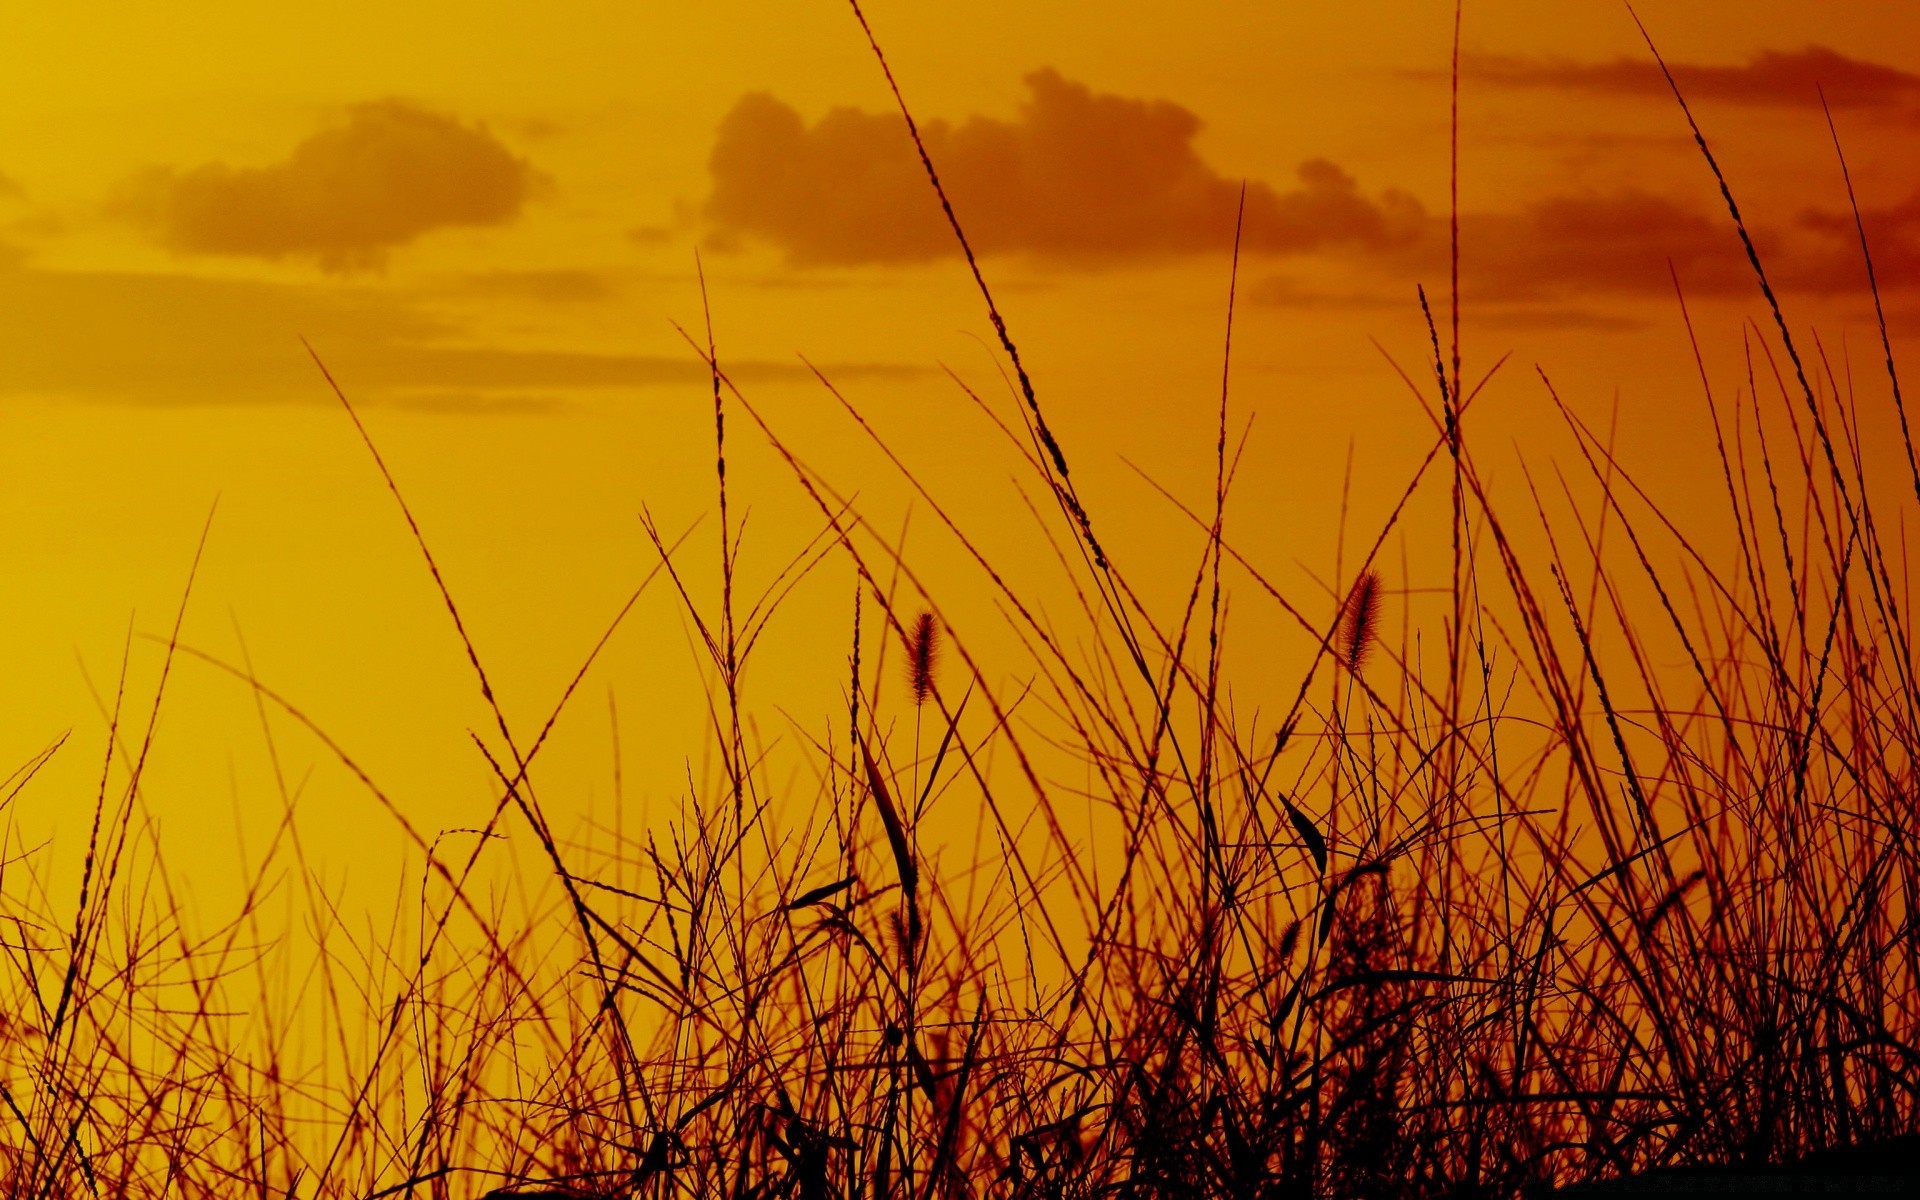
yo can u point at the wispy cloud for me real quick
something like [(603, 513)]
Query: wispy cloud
[(1771, 77), (509, 404), (1584, 320), (346, 196), (1079, 175), (1282, 291), (553, 286), (151, 338)]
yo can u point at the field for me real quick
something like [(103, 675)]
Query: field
[(1582, 848)]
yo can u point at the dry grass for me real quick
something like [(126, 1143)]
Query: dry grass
[(1550, 912)]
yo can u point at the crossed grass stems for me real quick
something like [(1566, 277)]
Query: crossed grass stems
[(1554, 911)]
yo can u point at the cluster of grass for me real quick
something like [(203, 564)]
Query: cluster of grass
[(1555, 909)]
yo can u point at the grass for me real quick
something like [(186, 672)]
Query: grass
[(1553, 910)]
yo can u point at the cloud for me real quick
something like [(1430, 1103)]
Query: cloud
[(1617, 242), (1620, 243), (1893, 237), (1771, 77), (1078, 175), (176, 339), (346, 196), (1525, 269), (1085, 178)]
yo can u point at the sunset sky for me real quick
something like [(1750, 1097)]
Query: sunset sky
[(485, 219)]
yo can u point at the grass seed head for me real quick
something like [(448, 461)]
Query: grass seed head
[(923, 656), (1360, 621)]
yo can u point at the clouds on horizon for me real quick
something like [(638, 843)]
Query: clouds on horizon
[(1620, 243), (1079, 175), (346, 196), (1539, 265), (1630, 244), (1078, 178), (1771, 77), (1085, 178)]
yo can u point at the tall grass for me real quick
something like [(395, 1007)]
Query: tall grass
[(1557, 910)]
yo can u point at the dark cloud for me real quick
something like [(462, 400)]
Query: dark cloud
[(177, 339), (1618, 242), (1622, 243), (1078, 175), (1629, 242), (346, 195), (1893, 236), (1772, 77)]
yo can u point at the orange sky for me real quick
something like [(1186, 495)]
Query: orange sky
[(485, 218)]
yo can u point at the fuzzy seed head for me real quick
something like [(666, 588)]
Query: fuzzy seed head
[(1359, 622), (923, 656)]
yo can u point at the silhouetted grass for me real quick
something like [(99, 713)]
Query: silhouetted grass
[(1626, 886)]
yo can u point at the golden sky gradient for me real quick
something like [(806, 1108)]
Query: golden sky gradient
[(485, 217)]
